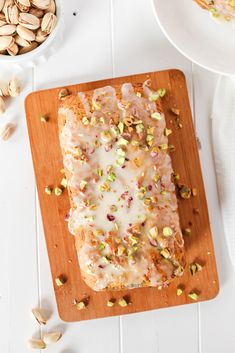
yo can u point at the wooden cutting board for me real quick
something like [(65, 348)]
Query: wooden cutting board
[(47, 161)]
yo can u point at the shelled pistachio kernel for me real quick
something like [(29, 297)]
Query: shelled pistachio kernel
[(185, 192), (167, 231), (60, 281), (58, 191), (110, 303), (175, 111), (64, 183), (194, 268), (122, 302), (186, 231), (193, 296), (179, 292), (80, 305), (44, 118), (63, 93), (161, 92), (48, 190), (36, 343)]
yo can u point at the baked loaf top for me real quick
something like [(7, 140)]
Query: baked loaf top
[(223, 9), (123, 202)]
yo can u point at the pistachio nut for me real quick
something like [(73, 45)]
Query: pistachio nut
[(36, 12), (6, 4), (2, 107), (41, 4), (31, 47), (12, 14), (7, 30), (52, 7), (36, 343), (25, 33), (23, 5), (21, 42), (14, 87), (39, 316), (40, 36), (48, 22), (6, 131), (29, 21), (2, 23), (2, 3), (4, 89), (6, 42), (13, 49), (51, 337)]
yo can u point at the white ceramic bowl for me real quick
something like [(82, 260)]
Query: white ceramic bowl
[(43, 50), (196, 35)]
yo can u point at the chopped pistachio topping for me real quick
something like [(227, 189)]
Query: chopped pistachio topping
[(64, 183), (121, 127), (105, 187), (44, 118), (93, 121), (194, 191), (153, 232), (58, 191), (80, 305), (179, 292), (60, 281), (133, 240), (164, 146), (135, 143), (110, 303), (112, 176), (122, 302), (100, 172), (185, 192), (105, 260), (78, 151), (121, 152), (156, 116), (138, 94), (139, 128), (167, 132), (150, 130), (193, 296), (113, 208), (122, 142), (83, 185), (176, 176), (48, 190), (156, 177), (96, 105), (102, 246), (167, 231), (85, 120), (161, 92), (115, 130), (186, 231), (165, 253), (106, 136), (137, 162), (175, 111), (149, 140), (194, 268), (120, 161), (153, 96)]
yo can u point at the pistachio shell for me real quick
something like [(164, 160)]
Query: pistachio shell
[(48, 22), (14, 87), (2, 16), (2, 106), (2, 2), (21, 42), (7, 30), (51, 337), (41, 4), (31, 47), (7, 3), (4, 89), (13, 49), (23, 5), (6, 131), (40, 36), (29, 21), (25, 33), (6, 42), (52, 7), (36, 12), (12, 14), (2, 23), (36, 344), (39, 316)]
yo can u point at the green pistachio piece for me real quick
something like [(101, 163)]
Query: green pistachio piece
[(121, 127), (106, 136), (153, 96), (121, 152), (83, 185), (110, 303), (121, 250), (156, 177), (156, 116), (167, 132), (85, 120), (161, 92), (193, 296), (153, 232), (167, 231), (100, 172), (101, 246), (58, 191), (164, 146), (48, 190), (185, 192), (80, 305), (194, 268), (44, 118), (112, 176), (122, 142), (122, 302), (179, 292), (105, 260), (139, 128), (115, 130), (165, 253), (60, 281), (64, 183), (120, 161)]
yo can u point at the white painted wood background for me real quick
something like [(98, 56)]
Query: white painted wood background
[(107, 38)]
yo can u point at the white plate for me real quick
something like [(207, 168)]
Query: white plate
[(196, 35)]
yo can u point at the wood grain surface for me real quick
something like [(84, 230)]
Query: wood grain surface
[(47, 161)]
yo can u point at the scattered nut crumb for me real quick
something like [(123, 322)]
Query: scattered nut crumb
[(7, 130), (60, 281)]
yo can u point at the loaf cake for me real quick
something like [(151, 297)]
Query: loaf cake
[(124, 212), (220, 9)]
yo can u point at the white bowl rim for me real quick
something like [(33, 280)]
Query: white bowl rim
[(217, 71), (37, 51)]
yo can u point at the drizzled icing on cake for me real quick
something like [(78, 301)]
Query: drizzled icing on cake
[(123, 203)]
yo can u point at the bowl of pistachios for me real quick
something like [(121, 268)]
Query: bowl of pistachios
[(27, 28)]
